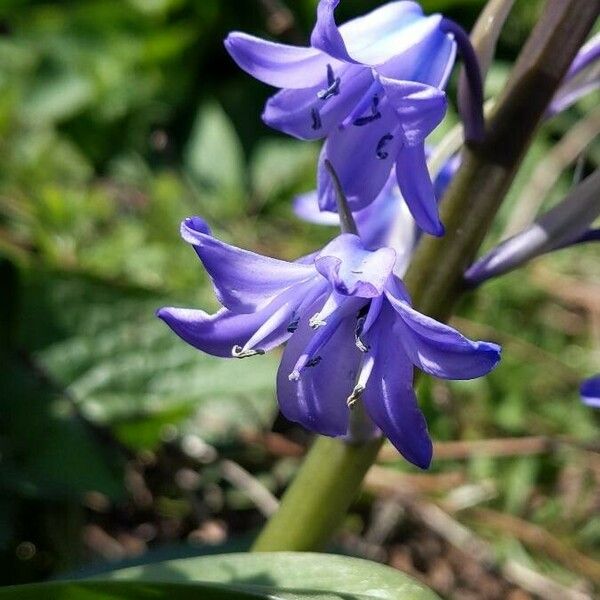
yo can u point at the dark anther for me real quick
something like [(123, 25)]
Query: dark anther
[(375, 114), (333, 86), (316, 119), (313, 362), (381, 144), (293, 325)]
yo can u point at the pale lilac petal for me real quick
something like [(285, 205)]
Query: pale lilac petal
[(582, 84), (582, 77), (326, 36), (306, 207), (422, 52), (268, 327), (312, 113), (385, 222), (427, 55), (417, 188), (362, 157), (440, 350), (590, 392), (420, 108), (352, 270), (389, 396), (217, 334), (384, 32), (279, 65), (243, 280), (318, 399)]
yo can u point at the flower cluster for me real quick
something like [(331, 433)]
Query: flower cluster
[(351, 334), (373, 89)]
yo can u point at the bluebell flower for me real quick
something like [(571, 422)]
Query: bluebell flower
[(583, 77), (590, 391), (386, 222), (373, 87), (566, 224), (351, 334)]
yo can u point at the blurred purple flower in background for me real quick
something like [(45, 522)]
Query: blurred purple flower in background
[(590, 391), (373, 88), (351, 331)]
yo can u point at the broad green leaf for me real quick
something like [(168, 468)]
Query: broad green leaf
[(214, 154), (46, 450), (126, 590), (289, 575), (125, 369)]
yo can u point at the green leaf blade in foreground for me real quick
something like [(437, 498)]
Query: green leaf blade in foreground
[(121, 590), (288, 575)]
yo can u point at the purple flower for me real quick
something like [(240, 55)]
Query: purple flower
[(372, 87), (583, 77), (566, 224), (351, 334), (386, 222), (590, 391)]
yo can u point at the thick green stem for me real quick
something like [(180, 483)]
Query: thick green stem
[(316, 502), (318, 498)]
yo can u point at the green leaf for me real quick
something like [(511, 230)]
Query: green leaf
[(33, 415), (56, 98), (288, 575), (126, 590), (276, 576), (125, 369), (277, 164), (214, 154)]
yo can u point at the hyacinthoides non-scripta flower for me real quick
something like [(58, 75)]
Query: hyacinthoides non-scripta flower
[(373, 87), (590, 391), (352, 336)]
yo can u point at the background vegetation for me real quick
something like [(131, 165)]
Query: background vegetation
[(120, 443)]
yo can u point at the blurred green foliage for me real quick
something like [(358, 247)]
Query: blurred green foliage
[(118, 119)]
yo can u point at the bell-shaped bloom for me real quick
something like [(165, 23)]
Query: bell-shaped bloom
[(590, 391), (583, 77), (567, 223), (373, 87), (351, 334)]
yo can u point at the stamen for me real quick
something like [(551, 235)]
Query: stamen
[(364, 103), (354, 397), (239, 352), (333, 86), (317, 341), (360, 322), (316, 119), (315, 321), (313, 362), (372, 312), (375, 114), (381, 144), (293, 326), (361, 383)]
